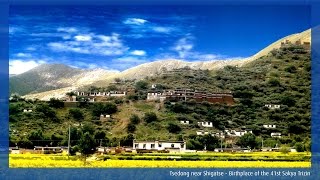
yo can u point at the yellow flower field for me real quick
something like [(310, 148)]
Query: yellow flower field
[(31, 161)]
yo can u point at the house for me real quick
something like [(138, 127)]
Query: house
[(27, 110), (276, 134), (103, 150), (180, 94), (219, 134), (153, 86), (272, 106), (205, 124), (117, 93), (71, 98), (48, 150), (171, 146), (269, 126), (266, 149), (156, 95), (95, 94), (237, 133), (14, 150), (105, 117), (184, 122), (201, 133)]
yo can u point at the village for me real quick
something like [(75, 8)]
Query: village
[(227, 136)]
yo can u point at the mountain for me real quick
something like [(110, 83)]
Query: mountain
[(282, 77), (153, 68), (53, 76)]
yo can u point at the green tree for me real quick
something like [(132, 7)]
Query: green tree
[(56, 103), (131, 127), (36, 137), (71, 93), (285, 149), (299, 147), (210, 142), (127, 140), (291, 69), (134, 119), (141, 85), (76, 113), (103, 108), (46, 112), (15, 109), (100, 137), (274, 82), (88, 128), (247, 140), (173, 128), (150, 117), (86, 145)]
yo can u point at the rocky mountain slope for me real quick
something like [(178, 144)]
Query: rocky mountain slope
[(153, 68), (54, 76)]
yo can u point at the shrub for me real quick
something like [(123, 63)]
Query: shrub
[(274, 82), (76, 114), (100, 108), (134, 119), (131, 128), (291, 69), (150, 117), (173, 128), (56, 103), (299, 147), (141, 85), (285, 149)]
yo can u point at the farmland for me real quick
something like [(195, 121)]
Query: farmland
[(155, 160)]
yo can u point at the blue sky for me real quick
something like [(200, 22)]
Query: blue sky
[(120, 37)]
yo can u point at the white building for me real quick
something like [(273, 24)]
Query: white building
[(104, 117), (205, 124), (272, 106), (219, 134), (151, 96), (117, 93), (184, 122), (171, 146), (269, 126), (201, 133), (103, 94), (27, 110), (276, 134), (237, 133)]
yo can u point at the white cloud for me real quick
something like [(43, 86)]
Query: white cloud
[(135, 21), (18, 66), (30, 48), (98, 44), (160, 29), (83, 38), (67, 29), (23, 55), (183, 46), (15, 29), (138, 53)]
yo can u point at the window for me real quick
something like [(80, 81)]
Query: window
[(172, 145), (136, 145), (144, 146), (160, 145), (182, 145), (152, 146)]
